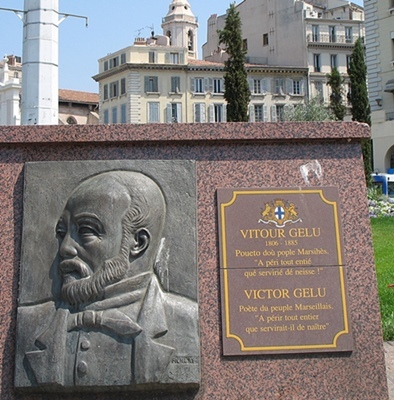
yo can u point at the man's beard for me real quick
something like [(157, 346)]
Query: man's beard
[(91, 288)]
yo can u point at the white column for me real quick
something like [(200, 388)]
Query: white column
[(40, 86)]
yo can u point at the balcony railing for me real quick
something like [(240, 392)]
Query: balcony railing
[(326, 38)]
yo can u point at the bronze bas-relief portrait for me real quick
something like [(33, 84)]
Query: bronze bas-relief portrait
[(110, 322)]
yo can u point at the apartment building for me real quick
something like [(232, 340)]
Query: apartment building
[(379, 17), (316, 35), (160, 80)]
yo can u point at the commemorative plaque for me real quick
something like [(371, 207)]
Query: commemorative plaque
[(283, 276)]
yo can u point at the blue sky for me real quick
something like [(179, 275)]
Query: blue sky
[(112, 26)]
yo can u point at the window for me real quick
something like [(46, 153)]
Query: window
[(114, 89), (198, 85), (319, 90), (333, 61), (174, 112), (258, 113), (332, 33), (123, 86), (296, 87), (153, 112), (279, 86), (123, 113), (190, 41), (274, 117), (315, 33), (199, 112), (348, 59), (114, 62), (16, 75), (123, 58), (349, 34), (218, 85), (151, 84), (174, 58), (152, 57), (279, 112), (245, 45), (265, 39), (114, 115), (106, 116), (258, 86), (217, 113), (168, 34), (317, 62), (105, 92), (175, 84)]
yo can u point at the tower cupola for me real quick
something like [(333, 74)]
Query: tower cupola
[(180, 25)]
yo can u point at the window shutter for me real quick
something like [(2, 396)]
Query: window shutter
[(192, 85), (289, 86), (273, 85), (224, 112), (265, 86), (252, 117), (302, 88), (265, 113), (146, 84), (273, 114), (206, 85), (203, 113), (182, 58), (251, 85), (153, 112), (169, 113), (179, 112), (155, 84), (288, 110), (196, 110), (210, 85), (167, 59), (211, 113)]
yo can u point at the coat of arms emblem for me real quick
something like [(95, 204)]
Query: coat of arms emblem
[(279, 213)]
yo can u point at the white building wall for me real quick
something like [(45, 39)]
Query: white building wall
[(379, 59)]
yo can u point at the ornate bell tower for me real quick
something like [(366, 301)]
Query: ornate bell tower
[(180, 25)]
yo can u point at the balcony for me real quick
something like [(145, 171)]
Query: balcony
[(327, 38)]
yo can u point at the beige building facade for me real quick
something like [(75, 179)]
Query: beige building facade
[(173, 88), (160, 80), (379, 16), (316, 35)]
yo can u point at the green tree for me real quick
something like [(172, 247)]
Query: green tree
[(335, 80), (237, 92), (358, 97), (312, 110)]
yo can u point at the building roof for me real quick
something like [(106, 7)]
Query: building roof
[(76, 96), (203, 63)]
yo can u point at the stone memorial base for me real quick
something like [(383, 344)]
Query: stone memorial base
[(227, 156)]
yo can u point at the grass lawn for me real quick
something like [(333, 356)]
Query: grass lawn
[(383, 243)]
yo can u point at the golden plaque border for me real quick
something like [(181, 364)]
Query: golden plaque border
[(345, 329)]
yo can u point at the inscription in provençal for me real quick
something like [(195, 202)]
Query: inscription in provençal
[(283, 278)]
